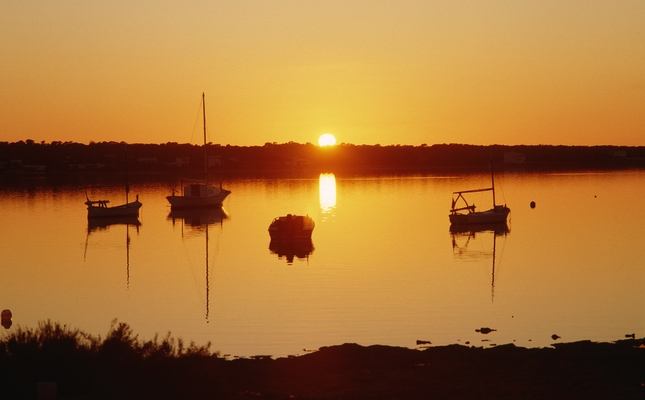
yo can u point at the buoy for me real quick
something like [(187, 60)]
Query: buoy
[(6, 319)]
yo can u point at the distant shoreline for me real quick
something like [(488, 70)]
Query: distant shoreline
[(544, 167), (173, 159)]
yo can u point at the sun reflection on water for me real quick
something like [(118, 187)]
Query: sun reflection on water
[(327, 195)]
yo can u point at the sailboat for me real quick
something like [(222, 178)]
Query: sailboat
[(465, 214), (101, 209), (199, 194)]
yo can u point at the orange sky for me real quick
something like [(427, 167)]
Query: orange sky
[(387, 72)]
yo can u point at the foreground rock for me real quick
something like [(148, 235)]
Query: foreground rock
[(582, 370)]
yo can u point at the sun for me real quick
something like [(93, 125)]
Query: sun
[(327, 140)]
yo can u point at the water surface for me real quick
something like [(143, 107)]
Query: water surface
[(384, 267)]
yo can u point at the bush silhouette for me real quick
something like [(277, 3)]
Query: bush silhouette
[(119, 366)]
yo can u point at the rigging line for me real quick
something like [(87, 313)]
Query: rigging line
[(190, 262), (501, 252), (208, 130), (501, 188), (191, 266)]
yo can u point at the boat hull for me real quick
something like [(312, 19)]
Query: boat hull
[(198, 196), (124, 210), (291, 227), (493, 216)]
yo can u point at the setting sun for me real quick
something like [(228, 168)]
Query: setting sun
[(327, 140)]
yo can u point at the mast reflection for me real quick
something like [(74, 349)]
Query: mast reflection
[(199, 219), (462, 235), (327, 185), (104, 224)]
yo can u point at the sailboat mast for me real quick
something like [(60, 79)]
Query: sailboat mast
[(205, 157), (492, 179)]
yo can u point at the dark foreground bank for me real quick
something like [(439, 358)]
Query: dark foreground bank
[(121, 366)]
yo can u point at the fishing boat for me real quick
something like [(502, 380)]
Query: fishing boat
[(290, 227), (199, 194), (464, 213), (101, 209)]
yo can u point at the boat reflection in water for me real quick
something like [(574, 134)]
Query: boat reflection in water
[(292, 248), (498, 228), (463, 235), (199, 219), (104, 224), (7, 320)]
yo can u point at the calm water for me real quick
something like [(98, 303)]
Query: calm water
[(385, 269)]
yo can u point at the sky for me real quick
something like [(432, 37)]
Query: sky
[(367, 71)]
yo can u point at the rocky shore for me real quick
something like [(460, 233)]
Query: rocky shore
[(122, 368), (581, 370)]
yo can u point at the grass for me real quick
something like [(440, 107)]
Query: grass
[(85, 366)]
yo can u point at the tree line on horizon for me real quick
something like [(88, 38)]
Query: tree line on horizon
[(61, 157)]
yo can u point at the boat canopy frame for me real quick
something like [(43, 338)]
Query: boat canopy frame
[(97, 203), (460, 196)]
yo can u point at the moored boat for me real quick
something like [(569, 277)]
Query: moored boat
[(291, 226), (463, 213), (199, 194), (196, 195), (100, 209), (497, 214)]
